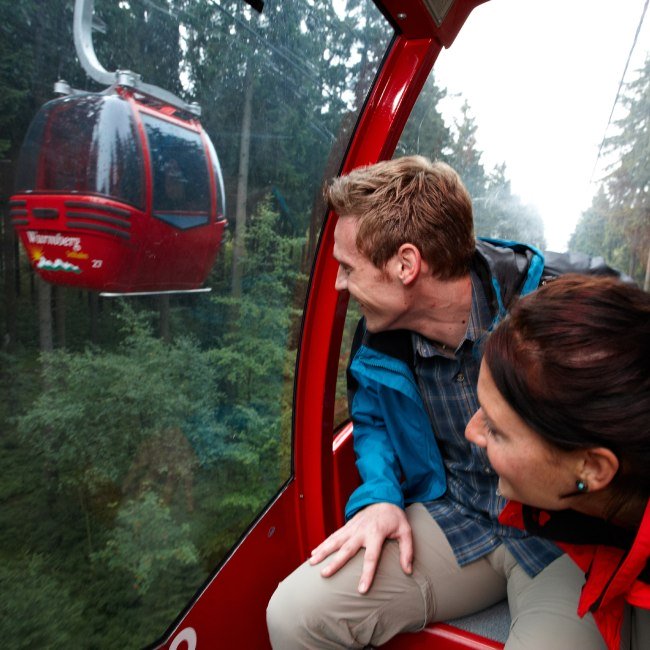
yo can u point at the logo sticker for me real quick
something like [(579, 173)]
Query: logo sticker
[(57, 265), (54, 240)]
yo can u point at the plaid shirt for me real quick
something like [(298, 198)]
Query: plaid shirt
[(468, 511)]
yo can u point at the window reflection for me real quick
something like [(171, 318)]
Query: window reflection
[(180, 175), (142, 436), (85, 146)]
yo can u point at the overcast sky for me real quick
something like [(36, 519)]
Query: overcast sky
[(541, 78)]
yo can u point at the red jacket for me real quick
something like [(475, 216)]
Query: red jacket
[(616, 562)]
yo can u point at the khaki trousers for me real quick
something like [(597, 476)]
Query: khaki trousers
[(309, 611)]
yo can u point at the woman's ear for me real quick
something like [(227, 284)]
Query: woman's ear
[(409, 262), (599, 468)]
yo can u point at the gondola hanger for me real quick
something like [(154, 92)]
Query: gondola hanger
[(83, 22)]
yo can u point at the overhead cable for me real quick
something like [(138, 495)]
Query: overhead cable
[(620, 86)]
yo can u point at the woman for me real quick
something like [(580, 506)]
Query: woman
[(564, 391)]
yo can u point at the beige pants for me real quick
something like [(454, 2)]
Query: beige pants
[(308, 611)]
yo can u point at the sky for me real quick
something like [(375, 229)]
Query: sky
[(541, 78)]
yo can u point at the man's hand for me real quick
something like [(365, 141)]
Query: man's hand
[(368, 529)]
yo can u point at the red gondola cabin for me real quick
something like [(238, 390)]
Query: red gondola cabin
[(118, 192)]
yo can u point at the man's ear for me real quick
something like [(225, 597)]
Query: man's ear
[(409, 263), (599, 468)]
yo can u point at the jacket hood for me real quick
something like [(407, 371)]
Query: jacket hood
[(509, 268)]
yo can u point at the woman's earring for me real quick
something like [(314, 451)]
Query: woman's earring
[(582, 485)]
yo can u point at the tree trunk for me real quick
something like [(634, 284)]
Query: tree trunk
[(335, 158), (59, 294), (84, 508), (332, 167), (93, 305), (646, 282), (632, 264), (164, 311), (9, 262), (239, 247), (44, 291), (16, 263)]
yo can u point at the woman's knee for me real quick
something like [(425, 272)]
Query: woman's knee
[(544, 609)]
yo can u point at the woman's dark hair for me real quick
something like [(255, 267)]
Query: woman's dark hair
[(573, 360)]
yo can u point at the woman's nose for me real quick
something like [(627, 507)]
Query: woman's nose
[(475, 430)]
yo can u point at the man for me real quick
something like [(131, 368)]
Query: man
[(422, 542)]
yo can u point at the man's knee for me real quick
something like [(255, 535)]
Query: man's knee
[(282, 615)]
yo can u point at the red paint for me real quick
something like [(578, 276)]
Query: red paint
[(134, 252)]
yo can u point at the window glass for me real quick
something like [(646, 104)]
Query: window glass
[(526, 106), (84, 144), (141, 435), (352, 317), (544, 124), (179, 167)]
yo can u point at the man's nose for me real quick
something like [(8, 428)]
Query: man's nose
[(475, 430)]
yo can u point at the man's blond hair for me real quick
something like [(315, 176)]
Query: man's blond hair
[(409, 200)]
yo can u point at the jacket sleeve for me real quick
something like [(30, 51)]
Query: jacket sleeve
[(377, 460)]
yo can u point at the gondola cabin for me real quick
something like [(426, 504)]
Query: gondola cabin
[(164, 464), (117, 192)]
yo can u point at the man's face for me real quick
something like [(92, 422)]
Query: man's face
[(379, 293)]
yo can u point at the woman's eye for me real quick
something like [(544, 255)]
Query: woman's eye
[(489, 430)]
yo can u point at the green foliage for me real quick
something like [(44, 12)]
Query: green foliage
[(425, 132), (154, 456), (253, 342), (17, 58), (500, 213), (497, 211), (75, 422), (303, 83), (145, 541), (595, 234), (617, 225), (464, 154), (143, 37), (27, 618)]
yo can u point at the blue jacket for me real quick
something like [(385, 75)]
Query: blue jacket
[(397, 454)]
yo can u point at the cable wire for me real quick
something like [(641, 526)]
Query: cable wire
[(620, 86)]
